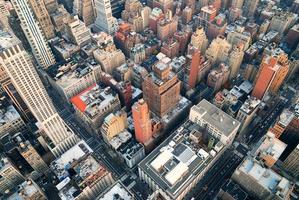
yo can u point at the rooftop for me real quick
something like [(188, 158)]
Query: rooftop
[(70, 72), (265, 177), (26, 190), (8, 115), (180, 158), (232, 189), (271, 146), (94, 99), (286, 117), (118, 190), (7, 40), (65, 161), (215, 116), (120, 139), (250, 105)]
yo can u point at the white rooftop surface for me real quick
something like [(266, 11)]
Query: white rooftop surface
[(10, 115), (209, 113), (161, 159), (176, 173), (272, 146), (121, 138), (264, 176), (286, 117), (74, 153), (117, 189), (68, 75), (27, 188), (7, 40), (250, 104)]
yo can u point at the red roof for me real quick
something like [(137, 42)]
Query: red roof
[(77, 101)]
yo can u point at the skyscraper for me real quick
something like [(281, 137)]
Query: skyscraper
[(273, 71), (42, 16), (250, 7), (85, 10), (142, 122), (104, 21), (291, 163), (19, 67), (33, 33), (161, 89)]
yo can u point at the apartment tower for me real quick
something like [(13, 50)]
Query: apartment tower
[(19, 67), (33, 33)]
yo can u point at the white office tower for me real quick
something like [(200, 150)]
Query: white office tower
[(18, 65), (33, 33), (105, 21)]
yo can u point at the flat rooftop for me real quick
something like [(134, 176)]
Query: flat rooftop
[(118, 190), (271, 146), (180, 158), (250, 105), (215, 116), (94, 99), (7, 40), (77, 152), (286, 117), (26, 190), (265, 177), (8, 115), (69, 73)]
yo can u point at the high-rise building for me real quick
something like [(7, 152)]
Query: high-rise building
[(195, 65), (282, 123), (10, 176), (273, 71), (19, 67), (77, 32), (282, 21), (142, 121), (251, 6), (113, 124), (105, 21), (261, 181), (291, 163), (217, 26), (33, 33), (4, 14), (33, 158), (199, 40), (218, 77), (218, 51), (161, 89), (247, 112), (207, 14), (85, 10), (163, 4), (13, 94), (237, 3), (51, 5), (167, 26), (42, 16), (234, 61)]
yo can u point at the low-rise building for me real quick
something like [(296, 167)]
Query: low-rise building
[(94, 104), (10, 121), (262, 182), (218, 123), (270, 149), (10, 176), (117, 191), (28, 190), (81, 175), (178, 164), (247, 112), (132, 152), (73, 77)]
